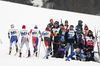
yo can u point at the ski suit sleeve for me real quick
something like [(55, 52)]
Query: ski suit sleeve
[(52, 35), (17, 31), (71, 55), (39, 32), (19, 34), (30, 32)]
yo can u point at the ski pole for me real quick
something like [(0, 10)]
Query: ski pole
[(44, 47), (39, 49)]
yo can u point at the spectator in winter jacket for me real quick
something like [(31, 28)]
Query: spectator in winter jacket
[(51, 23), (70, 38), (89, 40), (80, 39), (78, 53), (66, 25), (89, 53), (62, 44), (79, 26), (57, 33)]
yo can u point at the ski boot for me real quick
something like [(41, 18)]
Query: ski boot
[(36, 54), (48, 51), (20, 54), (28, 53), (34, 50), (47, 57), (9, 50)]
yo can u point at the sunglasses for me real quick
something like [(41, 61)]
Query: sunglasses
[(66, 22)]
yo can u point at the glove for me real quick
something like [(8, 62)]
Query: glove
[(8, 36), (41, 39), (16, 40), (67, 59)]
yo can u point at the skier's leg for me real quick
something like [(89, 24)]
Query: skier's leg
[(34, 42), (36, 46), (10, 48), (46, 43), (27, 45), (15, 38), (22, 43), (11, 42), (16, 46), (37, 40), (47, 48)]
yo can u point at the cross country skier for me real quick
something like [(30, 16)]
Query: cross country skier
[(70, 39), (13, 33), (79, 55), (46, 34), (66, 25), (57, 33), (24, 39), (35, 38), (79, 26), (51, 23)]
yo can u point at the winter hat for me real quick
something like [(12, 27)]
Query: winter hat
[(12, 25), (23, 27), (66, 20), (51, 20), (35, 26), (90, 31), (71, 25), (80, 21), (61, 25), (85, 25), (56, 22), (47, 29)]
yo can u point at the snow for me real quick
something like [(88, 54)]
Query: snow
[(17, 14)]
